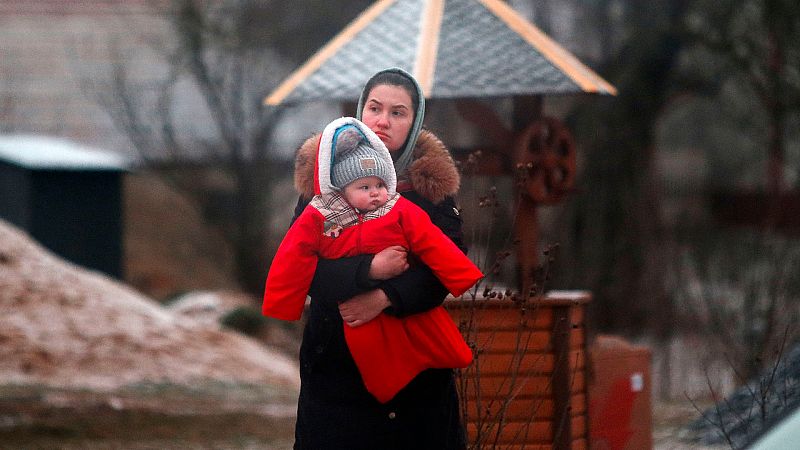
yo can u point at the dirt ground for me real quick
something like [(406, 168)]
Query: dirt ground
[(208, 417), (668, 418), (147, 417)]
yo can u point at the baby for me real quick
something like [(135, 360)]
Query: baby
[(358, 211)]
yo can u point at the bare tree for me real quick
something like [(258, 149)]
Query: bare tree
[(743, 296), (219, 68), (741, 417), (221, 60), (613, 235), (6, 111), (757, 43), (8, 103)]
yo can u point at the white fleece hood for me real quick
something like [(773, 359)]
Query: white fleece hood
[(326, 155)]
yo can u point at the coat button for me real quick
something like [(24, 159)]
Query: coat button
[(320, 349), (392, 415)]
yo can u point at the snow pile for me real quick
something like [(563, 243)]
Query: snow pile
[(64, 326)]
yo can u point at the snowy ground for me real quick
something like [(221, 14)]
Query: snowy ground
[(63, 326)]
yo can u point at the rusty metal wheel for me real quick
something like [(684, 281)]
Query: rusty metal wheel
[(546, 158)]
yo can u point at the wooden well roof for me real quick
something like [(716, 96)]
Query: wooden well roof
[(455, 49)]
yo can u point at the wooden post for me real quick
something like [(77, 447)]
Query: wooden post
[(527, 108), (526, 227), (526, 234), (562, 420)]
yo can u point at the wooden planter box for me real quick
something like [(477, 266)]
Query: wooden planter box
[(526, 387)]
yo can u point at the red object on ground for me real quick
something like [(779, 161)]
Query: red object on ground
[(620, 416)]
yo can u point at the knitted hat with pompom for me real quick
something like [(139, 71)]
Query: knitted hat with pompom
[(353, 157)]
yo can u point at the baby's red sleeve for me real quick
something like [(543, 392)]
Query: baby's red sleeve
[(293, 268), (450, 265)]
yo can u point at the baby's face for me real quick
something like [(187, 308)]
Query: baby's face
[(366, 194)]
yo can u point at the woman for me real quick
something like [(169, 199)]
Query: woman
[(335, 411)]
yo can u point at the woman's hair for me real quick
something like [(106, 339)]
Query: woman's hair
[(394, 79)]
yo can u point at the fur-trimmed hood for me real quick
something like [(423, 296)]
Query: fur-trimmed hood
[(432, 172)]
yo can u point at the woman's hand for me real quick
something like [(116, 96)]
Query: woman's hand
[(363, 307), (389, 263)]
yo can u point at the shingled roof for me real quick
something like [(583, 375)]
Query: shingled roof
[(455, 49)]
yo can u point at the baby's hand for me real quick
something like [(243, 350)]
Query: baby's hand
[(389, 263)]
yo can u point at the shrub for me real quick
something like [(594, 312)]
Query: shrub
[(245, 320)]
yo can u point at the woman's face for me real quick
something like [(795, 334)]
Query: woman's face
[(388, 112)]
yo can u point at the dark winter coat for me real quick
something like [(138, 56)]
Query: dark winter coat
[(335, 411)]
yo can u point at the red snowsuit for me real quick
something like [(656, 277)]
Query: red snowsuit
[(388, 351)]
